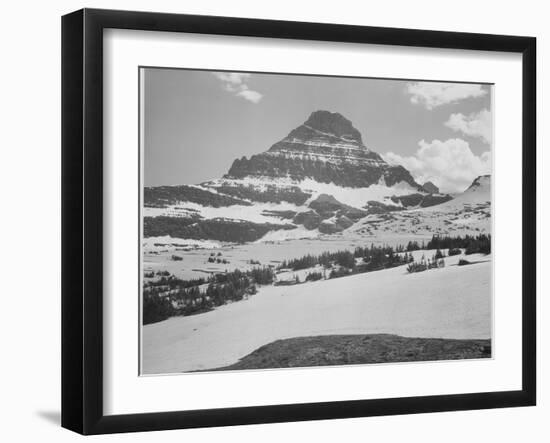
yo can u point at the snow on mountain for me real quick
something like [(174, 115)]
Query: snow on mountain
[(353, 196), (468, 213), (357, 197), (477, 194), (299, 233), (257, 213), (320, 179), (326, 148)]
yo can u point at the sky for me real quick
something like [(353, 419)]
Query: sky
[(197, 122)]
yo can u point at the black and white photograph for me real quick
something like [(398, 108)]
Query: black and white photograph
[(299, 221), (275, 221)]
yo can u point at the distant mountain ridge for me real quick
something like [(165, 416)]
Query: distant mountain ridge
[(483, 182), (319, 179), (479, 192)]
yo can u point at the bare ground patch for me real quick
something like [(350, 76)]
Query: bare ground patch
[(332, 350)]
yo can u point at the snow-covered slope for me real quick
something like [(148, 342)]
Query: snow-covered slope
[(478, 193), (468, 213), (388, 301)]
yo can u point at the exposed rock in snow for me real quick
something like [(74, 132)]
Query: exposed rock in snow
[(167, 242), (335, 224), (421, 200), (467, 213), (309, 219), (327, 206), (430, 188), (164, 196)]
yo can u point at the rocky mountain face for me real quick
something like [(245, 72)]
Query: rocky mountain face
[(430, 188), (328, 215), (421, 200), (320, 178), (326, 148)]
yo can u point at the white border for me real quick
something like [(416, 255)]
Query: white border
[(125, 392)]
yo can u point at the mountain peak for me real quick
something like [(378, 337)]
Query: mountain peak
[(326, 148), (333, 123), (483, 181)]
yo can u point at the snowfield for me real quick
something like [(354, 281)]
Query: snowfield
[(451, 218), (299, 233), (195, 260), (469, 213), (452, 302), (255, 213), (357, 197)]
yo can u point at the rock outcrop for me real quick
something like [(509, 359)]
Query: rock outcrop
[(430, 188)]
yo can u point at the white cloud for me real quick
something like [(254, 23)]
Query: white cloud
[(248, 94), (451, 165), (432, 95), (236, 83), (477, 124), (232, 81)]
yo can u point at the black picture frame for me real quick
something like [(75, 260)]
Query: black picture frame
[(82, 220)]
